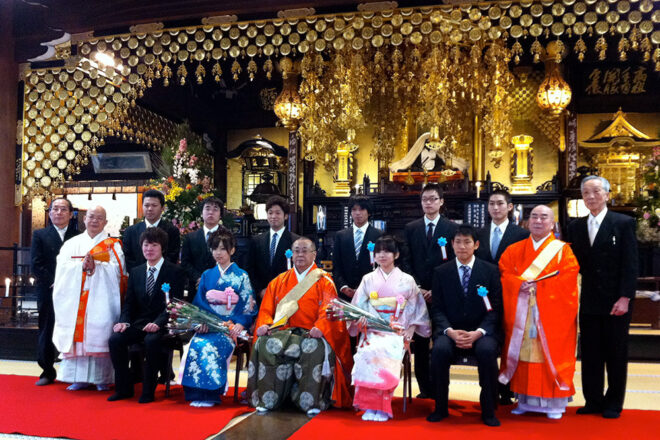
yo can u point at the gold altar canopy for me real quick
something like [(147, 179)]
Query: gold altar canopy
[(68, 110)]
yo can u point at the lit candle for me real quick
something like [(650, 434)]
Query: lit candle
[(7, 283), (478, 188)]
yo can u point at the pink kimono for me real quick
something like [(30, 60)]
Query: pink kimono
[(377, 366)]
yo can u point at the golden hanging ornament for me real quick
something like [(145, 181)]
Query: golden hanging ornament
[(216, 71), (268, 68), (182, 72), (601, 47), (251, 69), (200, 72), (167, 74), (236, 70), (580, 49)]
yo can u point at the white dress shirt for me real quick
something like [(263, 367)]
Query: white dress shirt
[(157, 266), (434, 222), (594, 222), (502, 227), (61, 231), (279, 236), (151, 225)]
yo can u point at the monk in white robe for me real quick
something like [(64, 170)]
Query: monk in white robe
[(86, 298)]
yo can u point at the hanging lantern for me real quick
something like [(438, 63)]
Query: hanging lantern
[(554, 93), (288, 105)]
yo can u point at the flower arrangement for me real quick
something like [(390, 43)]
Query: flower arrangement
[(186, 317), (648, 222)]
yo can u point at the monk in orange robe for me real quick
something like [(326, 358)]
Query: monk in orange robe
[(299, 353), (540, 296)]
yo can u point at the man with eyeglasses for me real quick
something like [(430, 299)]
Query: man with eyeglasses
[(428, 242), (299, 353), (46, 244)]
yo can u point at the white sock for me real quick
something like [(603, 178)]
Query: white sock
[(383, 413), (554, 415), (380, 417), (76, 386), (103, 387), (261, 410), (368, 415), (518, 411), (312, 412)]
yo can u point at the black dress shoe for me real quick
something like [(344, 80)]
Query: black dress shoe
[(44, 381), (587, 409), (490, 420), (436, 416), (119, 396), (611, 414), (146, 399), (422, 395)]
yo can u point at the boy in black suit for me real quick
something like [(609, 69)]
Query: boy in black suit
[(153, 205), (144, 316), (267, 259), (424, 254), (46, 244), (196, 256), (350, 257), (605, 246), (463, 319)]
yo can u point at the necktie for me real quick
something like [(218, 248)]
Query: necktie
[(429, 232), (497, 237), (151, 281), (465, 279), (273, 245), (208, 235), (357, 241), (593, 229)]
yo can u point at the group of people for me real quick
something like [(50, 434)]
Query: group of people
[(446, 290)]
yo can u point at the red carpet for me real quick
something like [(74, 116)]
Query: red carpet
[(464, 422), (51, 411)]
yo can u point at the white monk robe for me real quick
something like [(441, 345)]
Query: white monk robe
[(87, 361)]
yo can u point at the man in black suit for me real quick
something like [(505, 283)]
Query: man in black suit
[(494, 239), (501, 232), (153, 205), (605, 245), (423, 255), (46, 244), (463, 321), (267, 249), (196, 256), (350, 256), (144, 316)]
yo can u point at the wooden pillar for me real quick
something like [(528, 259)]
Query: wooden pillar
[(8, 126), (292, 179)]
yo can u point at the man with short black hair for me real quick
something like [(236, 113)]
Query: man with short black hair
[(350, 256), (267, 259), (425, 254), (153, 206), (46, 244), (196, 255)]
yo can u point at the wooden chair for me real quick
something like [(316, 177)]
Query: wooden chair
[(242, 352)]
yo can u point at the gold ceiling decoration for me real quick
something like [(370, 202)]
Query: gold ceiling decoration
[(65, 107)]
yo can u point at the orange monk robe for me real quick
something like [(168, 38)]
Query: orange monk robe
[(311, 313), (557, 300)]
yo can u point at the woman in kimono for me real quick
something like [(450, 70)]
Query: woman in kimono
[(225, 291), (394, 296)]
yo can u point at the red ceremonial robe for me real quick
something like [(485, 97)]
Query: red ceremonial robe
[(311, 313)]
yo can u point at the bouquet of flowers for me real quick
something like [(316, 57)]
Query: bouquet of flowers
[(186, 317), (340, 310), (648, 223)]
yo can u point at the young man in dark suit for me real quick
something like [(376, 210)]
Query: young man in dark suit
[(144, 316), (463, 321), (196, 256), (350, 256), (500, 232), (267, 259), (153, 205), (423, 255), (605, 246), (46, 244)]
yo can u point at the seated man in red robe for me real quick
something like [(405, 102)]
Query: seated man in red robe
[(540, 297), (299, 354)]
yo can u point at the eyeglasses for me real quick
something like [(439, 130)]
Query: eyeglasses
[(302, 251), (430, 199), (59, 209)]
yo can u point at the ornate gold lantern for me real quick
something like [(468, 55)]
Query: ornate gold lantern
[(521, 164), (288, 105), (554, 93)]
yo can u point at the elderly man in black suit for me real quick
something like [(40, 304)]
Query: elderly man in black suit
[(494, 239), (196, 255), (350, 256), (605, 245), (144, 315), (153, 206), (423, 255), (46, 244), (464, 320), (267, 259)]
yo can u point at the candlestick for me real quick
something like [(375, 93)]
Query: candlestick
[(7, 283), (478, 188)]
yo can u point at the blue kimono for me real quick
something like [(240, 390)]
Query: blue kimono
[(208, 356)]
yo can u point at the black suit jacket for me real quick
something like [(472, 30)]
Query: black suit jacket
[(139, 309), (451, 308), (133, 250), (196, 257), (609, 268), (261, 271), (512, 234), (46, 244), (423, 256), (346, 269)]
